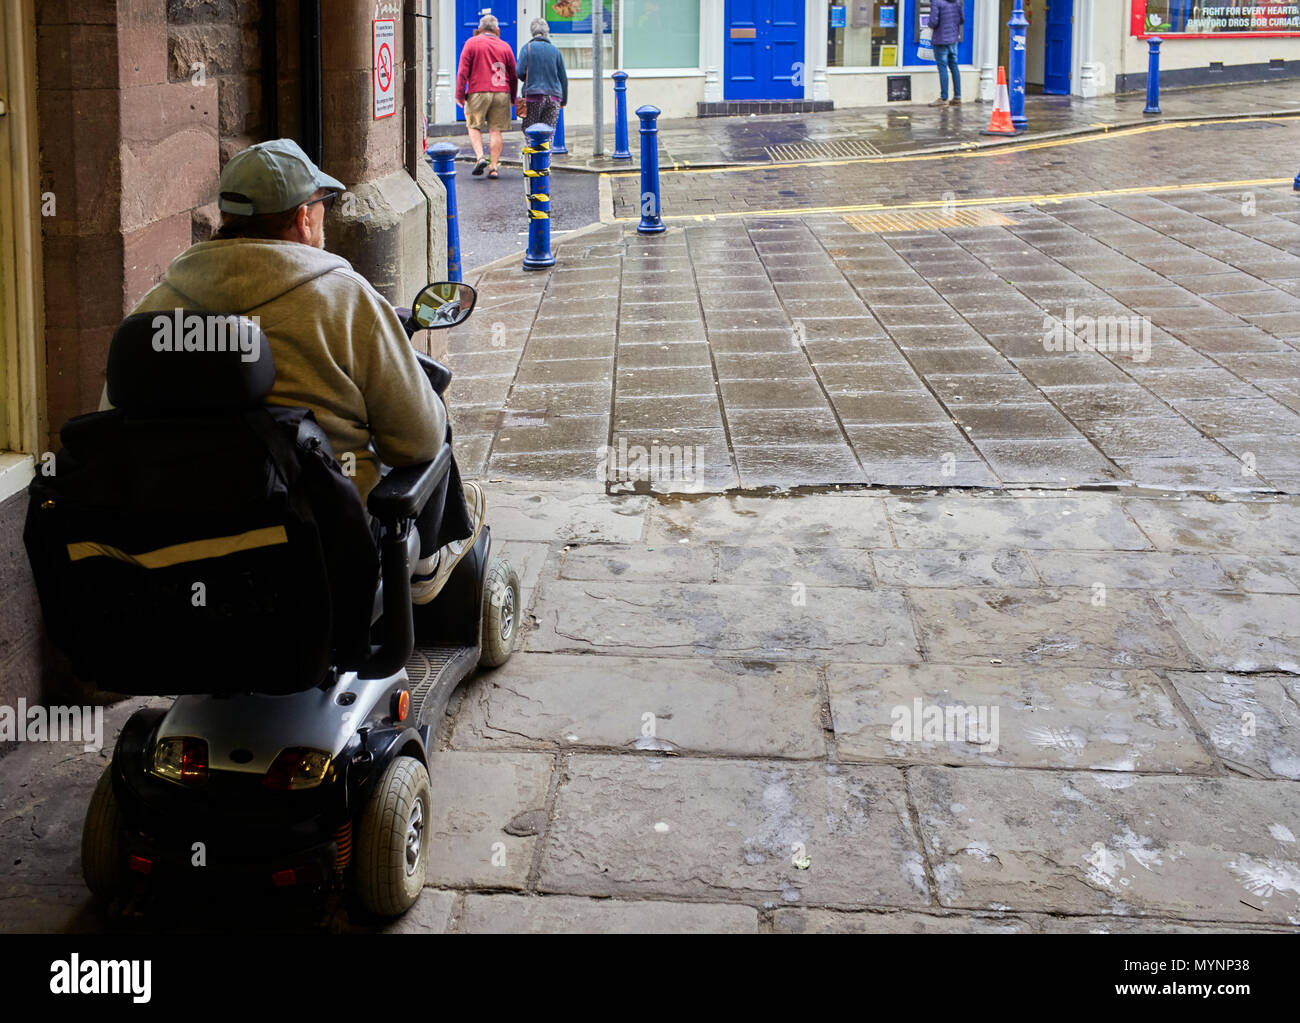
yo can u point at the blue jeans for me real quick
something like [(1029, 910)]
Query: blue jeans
[(945, 56)]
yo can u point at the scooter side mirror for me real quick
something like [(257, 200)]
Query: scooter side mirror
[(443, 304)]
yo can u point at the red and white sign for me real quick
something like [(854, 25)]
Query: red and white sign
[(385, 67)]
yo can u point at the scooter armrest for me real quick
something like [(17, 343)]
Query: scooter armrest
[(438, 374), (403, 492)]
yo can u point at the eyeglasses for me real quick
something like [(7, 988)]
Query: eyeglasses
[(328, 200)]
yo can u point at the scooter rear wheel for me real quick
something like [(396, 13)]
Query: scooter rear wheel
[(392, 849), (501, 610), (103, 842)]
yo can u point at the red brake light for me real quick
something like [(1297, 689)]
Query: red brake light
[(194, 760), (297, 768)]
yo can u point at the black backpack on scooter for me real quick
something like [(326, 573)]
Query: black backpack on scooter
[(194, 540)]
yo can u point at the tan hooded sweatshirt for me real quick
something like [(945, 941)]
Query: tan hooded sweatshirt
[(339, 347)]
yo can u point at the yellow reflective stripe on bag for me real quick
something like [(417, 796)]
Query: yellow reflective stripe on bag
[(178, 554)]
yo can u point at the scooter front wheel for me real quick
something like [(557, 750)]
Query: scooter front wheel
[(392, 849), (501, 610), (103, 842)]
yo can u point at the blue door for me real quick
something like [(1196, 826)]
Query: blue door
[(1056, 48), (916, 20), (468, 13), (763, 58)]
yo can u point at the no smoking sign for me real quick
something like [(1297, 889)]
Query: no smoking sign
[(385, 67)]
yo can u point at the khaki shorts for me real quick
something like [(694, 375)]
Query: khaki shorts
[(488, 109)]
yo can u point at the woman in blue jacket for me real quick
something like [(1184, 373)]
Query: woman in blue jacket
[(543, 81), (946, 19)]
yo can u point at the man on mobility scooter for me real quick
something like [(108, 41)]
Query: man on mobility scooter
[(200, 538)]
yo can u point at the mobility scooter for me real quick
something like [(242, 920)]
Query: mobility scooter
[(196, 541)]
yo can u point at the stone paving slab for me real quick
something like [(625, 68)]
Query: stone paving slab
[(1238, 632), (565, 914), (1199, 849), (1031, 523), (629, 826), (1236, 527), (476, 795), (756, 622), (829, 520), (1049, 626), (1253, 721), (824, 921), (564, 513), (1093, 719), (558, 701)]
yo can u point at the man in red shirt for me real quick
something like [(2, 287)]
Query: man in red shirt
[(485, 87)]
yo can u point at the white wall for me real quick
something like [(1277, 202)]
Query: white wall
[(869, 88), (675, 96)]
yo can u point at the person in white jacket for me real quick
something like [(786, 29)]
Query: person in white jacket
[(339, 346)]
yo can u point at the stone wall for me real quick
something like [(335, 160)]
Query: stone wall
[(220, 41), (22, 642)]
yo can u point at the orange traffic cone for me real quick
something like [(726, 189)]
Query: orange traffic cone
[(1000, 122)]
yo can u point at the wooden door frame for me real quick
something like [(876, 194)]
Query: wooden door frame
[(20, 234)]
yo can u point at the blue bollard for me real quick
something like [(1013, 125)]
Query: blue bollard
[(444, 165), (651, 221), (621, 151), (538, 176), (1153, 76), (1296, 183), (558, 148), (1016, 91)]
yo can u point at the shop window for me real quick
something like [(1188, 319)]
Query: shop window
[(570, 22), (638, 33), (660, 33), (863, 33)]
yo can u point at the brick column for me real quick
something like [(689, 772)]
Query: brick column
[(384, 227), (127, 156)]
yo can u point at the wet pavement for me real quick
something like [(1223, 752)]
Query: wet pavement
[(493, 215), (1148, 341), (853, 711), (1132, 160), (895, 128), (923, 572)]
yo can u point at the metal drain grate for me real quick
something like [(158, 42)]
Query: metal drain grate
[(926, 220), (821, 150)]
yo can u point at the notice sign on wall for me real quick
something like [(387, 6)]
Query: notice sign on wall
[(385, 67)]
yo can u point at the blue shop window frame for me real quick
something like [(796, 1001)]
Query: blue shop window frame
[(965, 51)]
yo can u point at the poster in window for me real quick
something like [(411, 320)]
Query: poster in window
[(573, 17), (1182, 17)]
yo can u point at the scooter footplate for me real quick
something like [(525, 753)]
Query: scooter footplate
[(433, 673)]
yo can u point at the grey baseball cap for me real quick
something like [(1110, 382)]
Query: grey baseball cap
[(270, 177)]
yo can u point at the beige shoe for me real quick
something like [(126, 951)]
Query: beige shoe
[(939, 103), (427, 581)]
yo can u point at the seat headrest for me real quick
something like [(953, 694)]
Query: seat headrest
[(185, 362)]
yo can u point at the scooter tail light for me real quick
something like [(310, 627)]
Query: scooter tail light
[(181, 759), (297, 768)]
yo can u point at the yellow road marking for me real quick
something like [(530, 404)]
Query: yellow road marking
[(995, 200), (1023, 147)]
